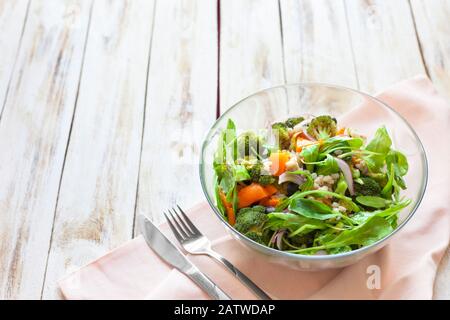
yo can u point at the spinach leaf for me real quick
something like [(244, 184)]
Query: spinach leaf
[(321, 193), (374, 229), (387, 189), (310, 154), (312, 209), (341, 186), (398, 160), (373, 202), (381, 144), (309, 183), (296, 224), (327, 166), (362, 216), (341, 143), (241, 173)]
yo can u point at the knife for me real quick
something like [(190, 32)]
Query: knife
[(167, 251)]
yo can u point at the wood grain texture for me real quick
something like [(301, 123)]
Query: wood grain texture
[(181, 104), (433, 28), (33, 134), (12, 18), (250, 49), (316, 42), (95, 211), (384, 42), (432, 20)]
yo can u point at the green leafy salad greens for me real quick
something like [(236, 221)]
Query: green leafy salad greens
[(307, 186)]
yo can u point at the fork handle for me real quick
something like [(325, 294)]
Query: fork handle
[(244, 279)]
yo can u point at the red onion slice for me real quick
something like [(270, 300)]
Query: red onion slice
[(347, 172), (291, 177), (277, 238)]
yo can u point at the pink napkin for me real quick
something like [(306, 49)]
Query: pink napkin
[(407, 264)]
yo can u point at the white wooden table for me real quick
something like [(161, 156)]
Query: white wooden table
[(104, 104)]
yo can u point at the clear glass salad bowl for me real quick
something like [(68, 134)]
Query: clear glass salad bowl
[(353, 109)]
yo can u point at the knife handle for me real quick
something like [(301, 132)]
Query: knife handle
[(242, 277), (206, 284)]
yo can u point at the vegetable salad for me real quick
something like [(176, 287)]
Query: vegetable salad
[(308, 186)]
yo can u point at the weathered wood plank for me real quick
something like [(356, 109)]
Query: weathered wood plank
[(250, 49), (33, 136), (383, 41), (433, 28), (12, 18), (181, 104), (97, 196), (316, 42)]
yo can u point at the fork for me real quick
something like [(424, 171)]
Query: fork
[(194, 242)]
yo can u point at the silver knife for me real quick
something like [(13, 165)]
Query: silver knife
[(158, 242)]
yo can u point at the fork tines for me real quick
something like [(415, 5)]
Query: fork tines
[(181, 225)]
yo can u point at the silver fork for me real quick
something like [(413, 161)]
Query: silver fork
[(194, 242)]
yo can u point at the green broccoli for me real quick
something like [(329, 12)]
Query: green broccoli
[(292, 122), (369, 187), (281, 132), (266, 179), (254, 168), (322, 127), (250, 145), (250, 222)]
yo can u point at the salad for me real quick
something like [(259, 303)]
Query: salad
[(309, 186)]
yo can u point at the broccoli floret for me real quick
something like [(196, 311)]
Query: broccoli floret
[(254, 168), (281, 131), (369, 187), (250, 222), (292, 122), (266, 179), (322, 127), (250, 144), (259, 237), (303, 241)]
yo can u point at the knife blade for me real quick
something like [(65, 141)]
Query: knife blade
[(168, 252)]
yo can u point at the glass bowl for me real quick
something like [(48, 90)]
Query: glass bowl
[(352, 108)]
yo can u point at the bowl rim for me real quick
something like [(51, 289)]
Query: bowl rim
[(295, 256)]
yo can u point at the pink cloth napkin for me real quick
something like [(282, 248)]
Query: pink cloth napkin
[(408, 263)]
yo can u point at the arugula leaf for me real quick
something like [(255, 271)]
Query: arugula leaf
[(387, 213), (339, 250), (312, 209), (296, 224), (373, 202), (374, 229)]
